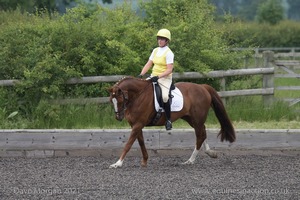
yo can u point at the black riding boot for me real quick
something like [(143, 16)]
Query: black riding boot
[(167, 108)]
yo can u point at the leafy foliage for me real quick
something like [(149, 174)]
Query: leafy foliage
[(197, 43), (32, 5), (270, 12), (44, 51), (283, 34)]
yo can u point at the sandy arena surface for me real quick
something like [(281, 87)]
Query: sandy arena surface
[(240, 174)]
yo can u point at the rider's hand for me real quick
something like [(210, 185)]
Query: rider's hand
[(154, 79), (140, 76)]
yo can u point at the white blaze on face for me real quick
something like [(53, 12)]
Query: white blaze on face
[(115, 102)]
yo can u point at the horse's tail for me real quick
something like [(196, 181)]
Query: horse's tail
[(227, 131)]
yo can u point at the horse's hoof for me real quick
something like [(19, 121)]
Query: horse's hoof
[(212, 154), (188, 162), (116, 165)]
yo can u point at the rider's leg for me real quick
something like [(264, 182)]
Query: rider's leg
[(165, 84), (167, 108)]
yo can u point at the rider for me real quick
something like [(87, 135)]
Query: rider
[(162, 58)]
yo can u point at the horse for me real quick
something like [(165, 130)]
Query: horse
[(132, 99)]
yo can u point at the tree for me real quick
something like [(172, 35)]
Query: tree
[(197, 43), (13, 4), (270, 12), (294, 7), (33, 5), (44, 52), (226, 6), (248, 9)]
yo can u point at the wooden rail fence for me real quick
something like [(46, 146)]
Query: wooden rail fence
[(284, 69), (266, 91), (268, 71), (286, 61)]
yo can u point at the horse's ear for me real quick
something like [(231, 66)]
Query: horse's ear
[(109, 90)]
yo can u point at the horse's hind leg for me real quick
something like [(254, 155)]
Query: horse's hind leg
[(209, 152), (200, 138)]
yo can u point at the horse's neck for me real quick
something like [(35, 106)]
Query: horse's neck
[(137, 88)]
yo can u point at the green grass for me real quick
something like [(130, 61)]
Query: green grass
[(245, 112), (250, 113), (76, 117), (287, 93)]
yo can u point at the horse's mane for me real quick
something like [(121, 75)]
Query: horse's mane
[(127, 78), (123, 79)]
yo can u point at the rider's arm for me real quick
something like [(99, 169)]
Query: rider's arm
[(147, 66)]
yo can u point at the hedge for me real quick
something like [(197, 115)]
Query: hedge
[(43, 50)]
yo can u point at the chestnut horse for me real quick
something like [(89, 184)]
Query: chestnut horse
[(132, 98)]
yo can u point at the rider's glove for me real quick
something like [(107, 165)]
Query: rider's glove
[(140, 76), (154, 79)]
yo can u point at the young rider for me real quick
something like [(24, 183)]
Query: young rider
[(162, 58)]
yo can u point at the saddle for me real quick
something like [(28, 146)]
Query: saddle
[(175, 100), (158, 93)]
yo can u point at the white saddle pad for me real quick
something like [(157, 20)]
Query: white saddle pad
[(177, 100)]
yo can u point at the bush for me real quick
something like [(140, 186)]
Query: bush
[(283, 34), (44, 51)]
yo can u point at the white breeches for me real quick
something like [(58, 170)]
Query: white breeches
[(165, 84)]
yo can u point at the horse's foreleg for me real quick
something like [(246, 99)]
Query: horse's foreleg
[(143, 149), (127, 147)]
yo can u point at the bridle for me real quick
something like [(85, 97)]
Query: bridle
[(125, 103), (115, 102)]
